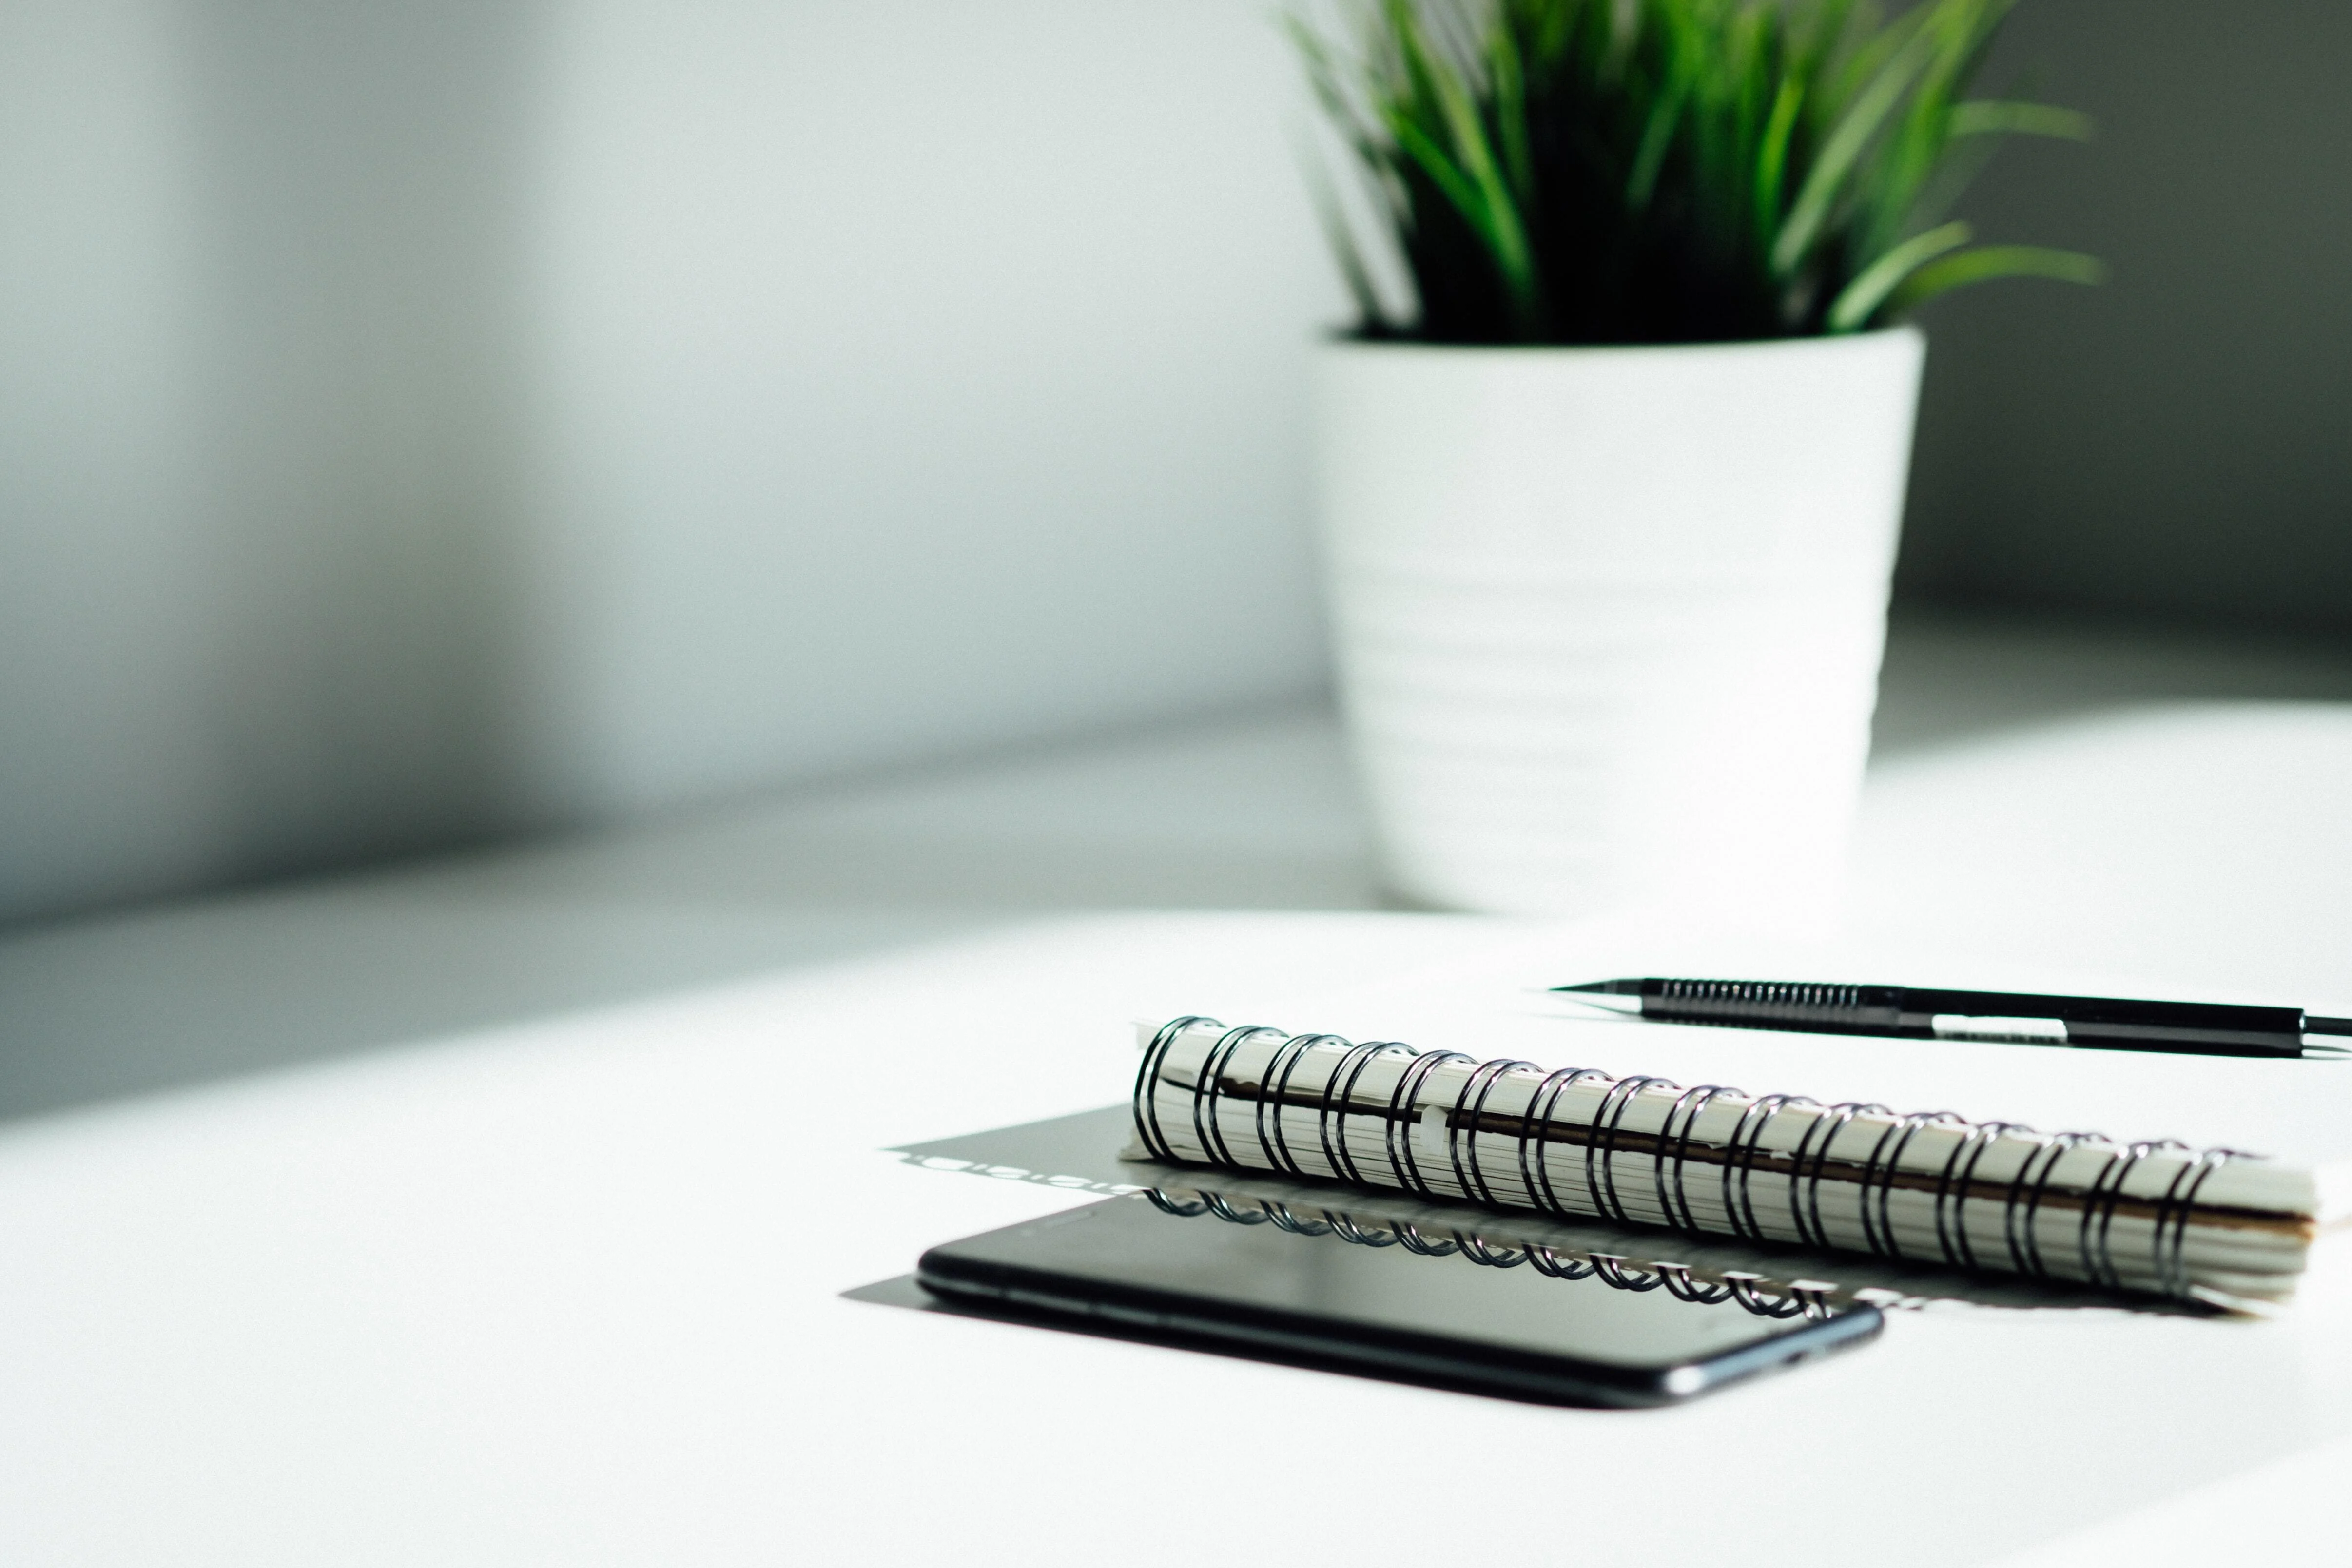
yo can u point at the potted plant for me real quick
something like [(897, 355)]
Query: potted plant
[(1611, 461)]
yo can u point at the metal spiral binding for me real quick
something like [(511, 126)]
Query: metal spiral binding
[(1403, 1123), (1167, 1204), (1680, 1285), (2107, 1192), (2172, 1252), (1346, 1229), (1840, 1117), (1542, 1106), (1223, 1209), (1273, 1138), (1286, 1219), (1610, 1269), (1546, 1261), (1409, 1236), (1600, 1144), (1334, 1129), (1146, 1103), (1811, 1302), (1688, 1106), (1211, 1084), (1482, 1083), (1739, 1155), (1479, 1250), (1950, 1187), (1878, 1180)]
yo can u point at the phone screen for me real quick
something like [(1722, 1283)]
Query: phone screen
[(1525, 1324)]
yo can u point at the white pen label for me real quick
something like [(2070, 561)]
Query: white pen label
[(2023, 1031)]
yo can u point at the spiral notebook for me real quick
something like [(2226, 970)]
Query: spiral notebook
[(2226, 1172)]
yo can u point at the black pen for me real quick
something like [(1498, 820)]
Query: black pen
[(2101, 1023)]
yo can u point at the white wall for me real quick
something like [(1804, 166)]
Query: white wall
[(920, 372), (423, 421), (109, 784)]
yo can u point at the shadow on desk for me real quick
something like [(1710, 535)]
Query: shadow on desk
[(1252, 810)]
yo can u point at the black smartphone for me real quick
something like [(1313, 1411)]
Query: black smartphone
[(1386, 1300)]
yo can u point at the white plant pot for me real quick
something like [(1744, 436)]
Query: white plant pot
[(1609, 619)]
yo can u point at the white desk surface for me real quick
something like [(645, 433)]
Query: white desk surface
[(564, 1289)]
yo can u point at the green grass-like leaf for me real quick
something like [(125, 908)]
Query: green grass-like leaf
[(1860, 300), (1987, 262), (1991, 116), (1660, 171)]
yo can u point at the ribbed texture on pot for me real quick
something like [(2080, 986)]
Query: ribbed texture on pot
[(1559, 711)]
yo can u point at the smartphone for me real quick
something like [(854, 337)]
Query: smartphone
[(1386, 1300)]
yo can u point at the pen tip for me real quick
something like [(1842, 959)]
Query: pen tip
[(1605, 988)]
